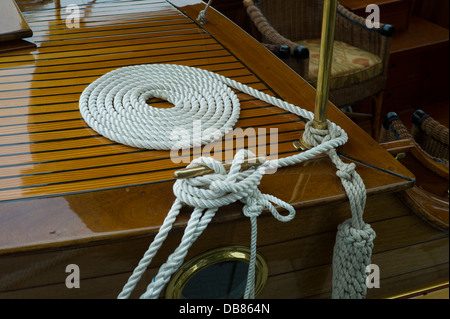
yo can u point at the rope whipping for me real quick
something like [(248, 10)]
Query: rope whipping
[(115, 106)]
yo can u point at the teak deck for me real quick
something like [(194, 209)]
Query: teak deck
[(68, 195)]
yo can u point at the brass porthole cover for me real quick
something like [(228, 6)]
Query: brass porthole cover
[(230, 253)]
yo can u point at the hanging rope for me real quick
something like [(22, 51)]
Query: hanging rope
[(207, 194), (354, 239), (115, 106)]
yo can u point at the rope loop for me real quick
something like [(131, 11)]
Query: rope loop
[(204, 108), (253, 208), (356, 236)]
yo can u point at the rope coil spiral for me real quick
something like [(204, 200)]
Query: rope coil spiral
[(115, 106)]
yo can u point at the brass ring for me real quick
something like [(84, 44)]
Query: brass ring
[(230, 253)]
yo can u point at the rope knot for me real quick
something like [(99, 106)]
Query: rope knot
[(219, 188), (359, 237), (315, 137), (346, 171), (253, 208)]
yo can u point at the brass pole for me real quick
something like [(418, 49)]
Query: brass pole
[(323, 87), (325, 62)]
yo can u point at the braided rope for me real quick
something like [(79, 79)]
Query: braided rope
[(354, 238), (115, 106)]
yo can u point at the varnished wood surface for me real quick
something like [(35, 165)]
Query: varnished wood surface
[(71, 196), (48, 150), (421, 35), (55, 136), (438, 293), (435, 11), (299, 255), (429, 196), (394, 12), (12, 24)]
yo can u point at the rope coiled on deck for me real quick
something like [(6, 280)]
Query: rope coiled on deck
[(115, 106)]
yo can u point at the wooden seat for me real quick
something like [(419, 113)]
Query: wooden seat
[(297, 25), (426, 155), (431, 135)]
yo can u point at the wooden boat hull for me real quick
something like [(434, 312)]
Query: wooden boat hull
[(407, 263)]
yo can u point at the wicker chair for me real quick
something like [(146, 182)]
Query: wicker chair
[(295, 26), (427, 158), (429, 136)]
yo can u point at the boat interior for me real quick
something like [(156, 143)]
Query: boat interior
[(350, 101)]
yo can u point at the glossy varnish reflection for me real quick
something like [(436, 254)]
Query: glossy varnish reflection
[(69, 195), (40, 91), (12, 24), (47, 83)]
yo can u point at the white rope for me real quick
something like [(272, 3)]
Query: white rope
[(202, 15), (354, 239), (115, 106)]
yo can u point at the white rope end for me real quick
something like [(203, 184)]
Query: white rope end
[(202, 17)]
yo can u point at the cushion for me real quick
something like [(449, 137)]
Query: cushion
[(351, 65)]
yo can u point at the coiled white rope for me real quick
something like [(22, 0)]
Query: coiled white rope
[(115, 106)]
